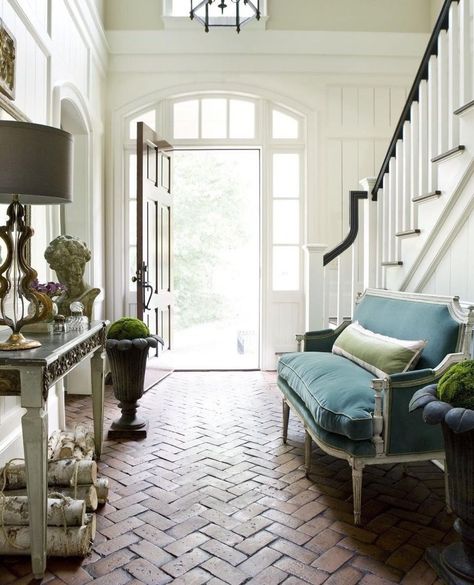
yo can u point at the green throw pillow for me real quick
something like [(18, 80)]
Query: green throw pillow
[(377, 353)]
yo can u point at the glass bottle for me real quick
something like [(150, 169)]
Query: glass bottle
[(77, 321)]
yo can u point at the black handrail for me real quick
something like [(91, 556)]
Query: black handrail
[(432, 49), (355, 196)]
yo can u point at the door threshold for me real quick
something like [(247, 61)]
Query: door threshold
[(217, 370)]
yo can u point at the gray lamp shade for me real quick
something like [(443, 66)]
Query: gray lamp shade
[(35, 163)]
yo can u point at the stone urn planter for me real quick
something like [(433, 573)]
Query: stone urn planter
[(127, 345), (455, 563)]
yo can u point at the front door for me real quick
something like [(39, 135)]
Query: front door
[(154, 220)]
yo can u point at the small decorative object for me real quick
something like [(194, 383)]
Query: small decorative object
[(7, 61), (238, 12), (59, 324), (127, 345), (68, 256), (76, 320), (35, 168), (451, 404), (52, 290)]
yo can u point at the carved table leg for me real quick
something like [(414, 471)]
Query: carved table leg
[(35, 438), (97, 378)]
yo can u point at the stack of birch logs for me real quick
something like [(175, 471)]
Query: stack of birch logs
[(75, 492)]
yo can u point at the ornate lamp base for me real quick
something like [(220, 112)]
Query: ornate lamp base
[(17, 342)]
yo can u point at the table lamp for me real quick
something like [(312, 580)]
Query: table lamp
[(35, 168)]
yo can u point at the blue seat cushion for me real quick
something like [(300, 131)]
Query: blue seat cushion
[(336, 391), (338, 442)]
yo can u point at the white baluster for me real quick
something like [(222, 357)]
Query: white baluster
[(424, 163), (432, 122), (404, 190), (329, 294), (368, 235), (381, 240), (444, 114), (414, 164), (344, 288), (465, 52), (398, 203), (385, 235), (392, 209), (454, 81)]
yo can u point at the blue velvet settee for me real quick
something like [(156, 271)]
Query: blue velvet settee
[(351, 413)]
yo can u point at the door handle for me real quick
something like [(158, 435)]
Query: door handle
[(149, 287)]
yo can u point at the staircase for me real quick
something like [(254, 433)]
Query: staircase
[(419, 210)]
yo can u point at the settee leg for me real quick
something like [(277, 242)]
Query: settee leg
[(308, 444), (286, 418), (357, 469)]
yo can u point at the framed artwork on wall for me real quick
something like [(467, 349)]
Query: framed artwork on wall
[(7, 61)]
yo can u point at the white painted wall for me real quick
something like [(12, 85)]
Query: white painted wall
[(61, 53)]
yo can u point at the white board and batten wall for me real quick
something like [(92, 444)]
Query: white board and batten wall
[(60, 55)]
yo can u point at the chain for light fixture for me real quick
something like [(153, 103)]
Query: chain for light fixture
[(202, 11)]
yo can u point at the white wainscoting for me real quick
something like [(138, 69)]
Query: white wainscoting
[(59, 42)]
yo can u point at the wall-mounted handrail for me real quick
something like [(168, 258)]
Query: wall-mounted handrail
[(354, 197), (442, 23)]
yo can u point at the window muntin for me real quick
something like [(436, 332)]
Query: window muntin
[(214, 118)]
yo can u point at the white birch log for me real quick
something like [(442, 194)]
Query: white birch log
[(70, 542), (102, 488), (53, 443), (14, 511), (88, 493), (66, 472), (67, 445), (84, 438)]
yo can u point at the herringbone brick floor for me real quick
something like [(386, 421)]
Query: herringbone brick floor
[(213, 496)]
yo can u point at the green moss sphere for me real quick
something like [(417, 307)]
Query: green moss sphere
[(457, 385), (127, 328)]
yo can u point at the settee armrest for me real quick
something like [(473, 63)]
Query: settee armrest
[(321, 340), (406, 432)]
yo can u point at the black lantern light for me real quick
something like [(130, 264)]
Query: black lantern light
[(234, 13)]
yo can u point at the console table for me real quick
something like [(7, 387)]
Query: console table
[(29, 374)]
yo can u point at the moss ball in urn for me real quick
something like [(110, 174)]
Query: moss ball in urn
[(457, 385), (128, 328)]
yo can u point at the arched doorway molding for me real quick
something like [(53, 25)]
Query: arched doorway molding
[(116, 277), (71, 113)]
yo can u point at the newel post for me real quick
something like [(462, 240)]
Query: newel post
[(369, 236), (314, 286)]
